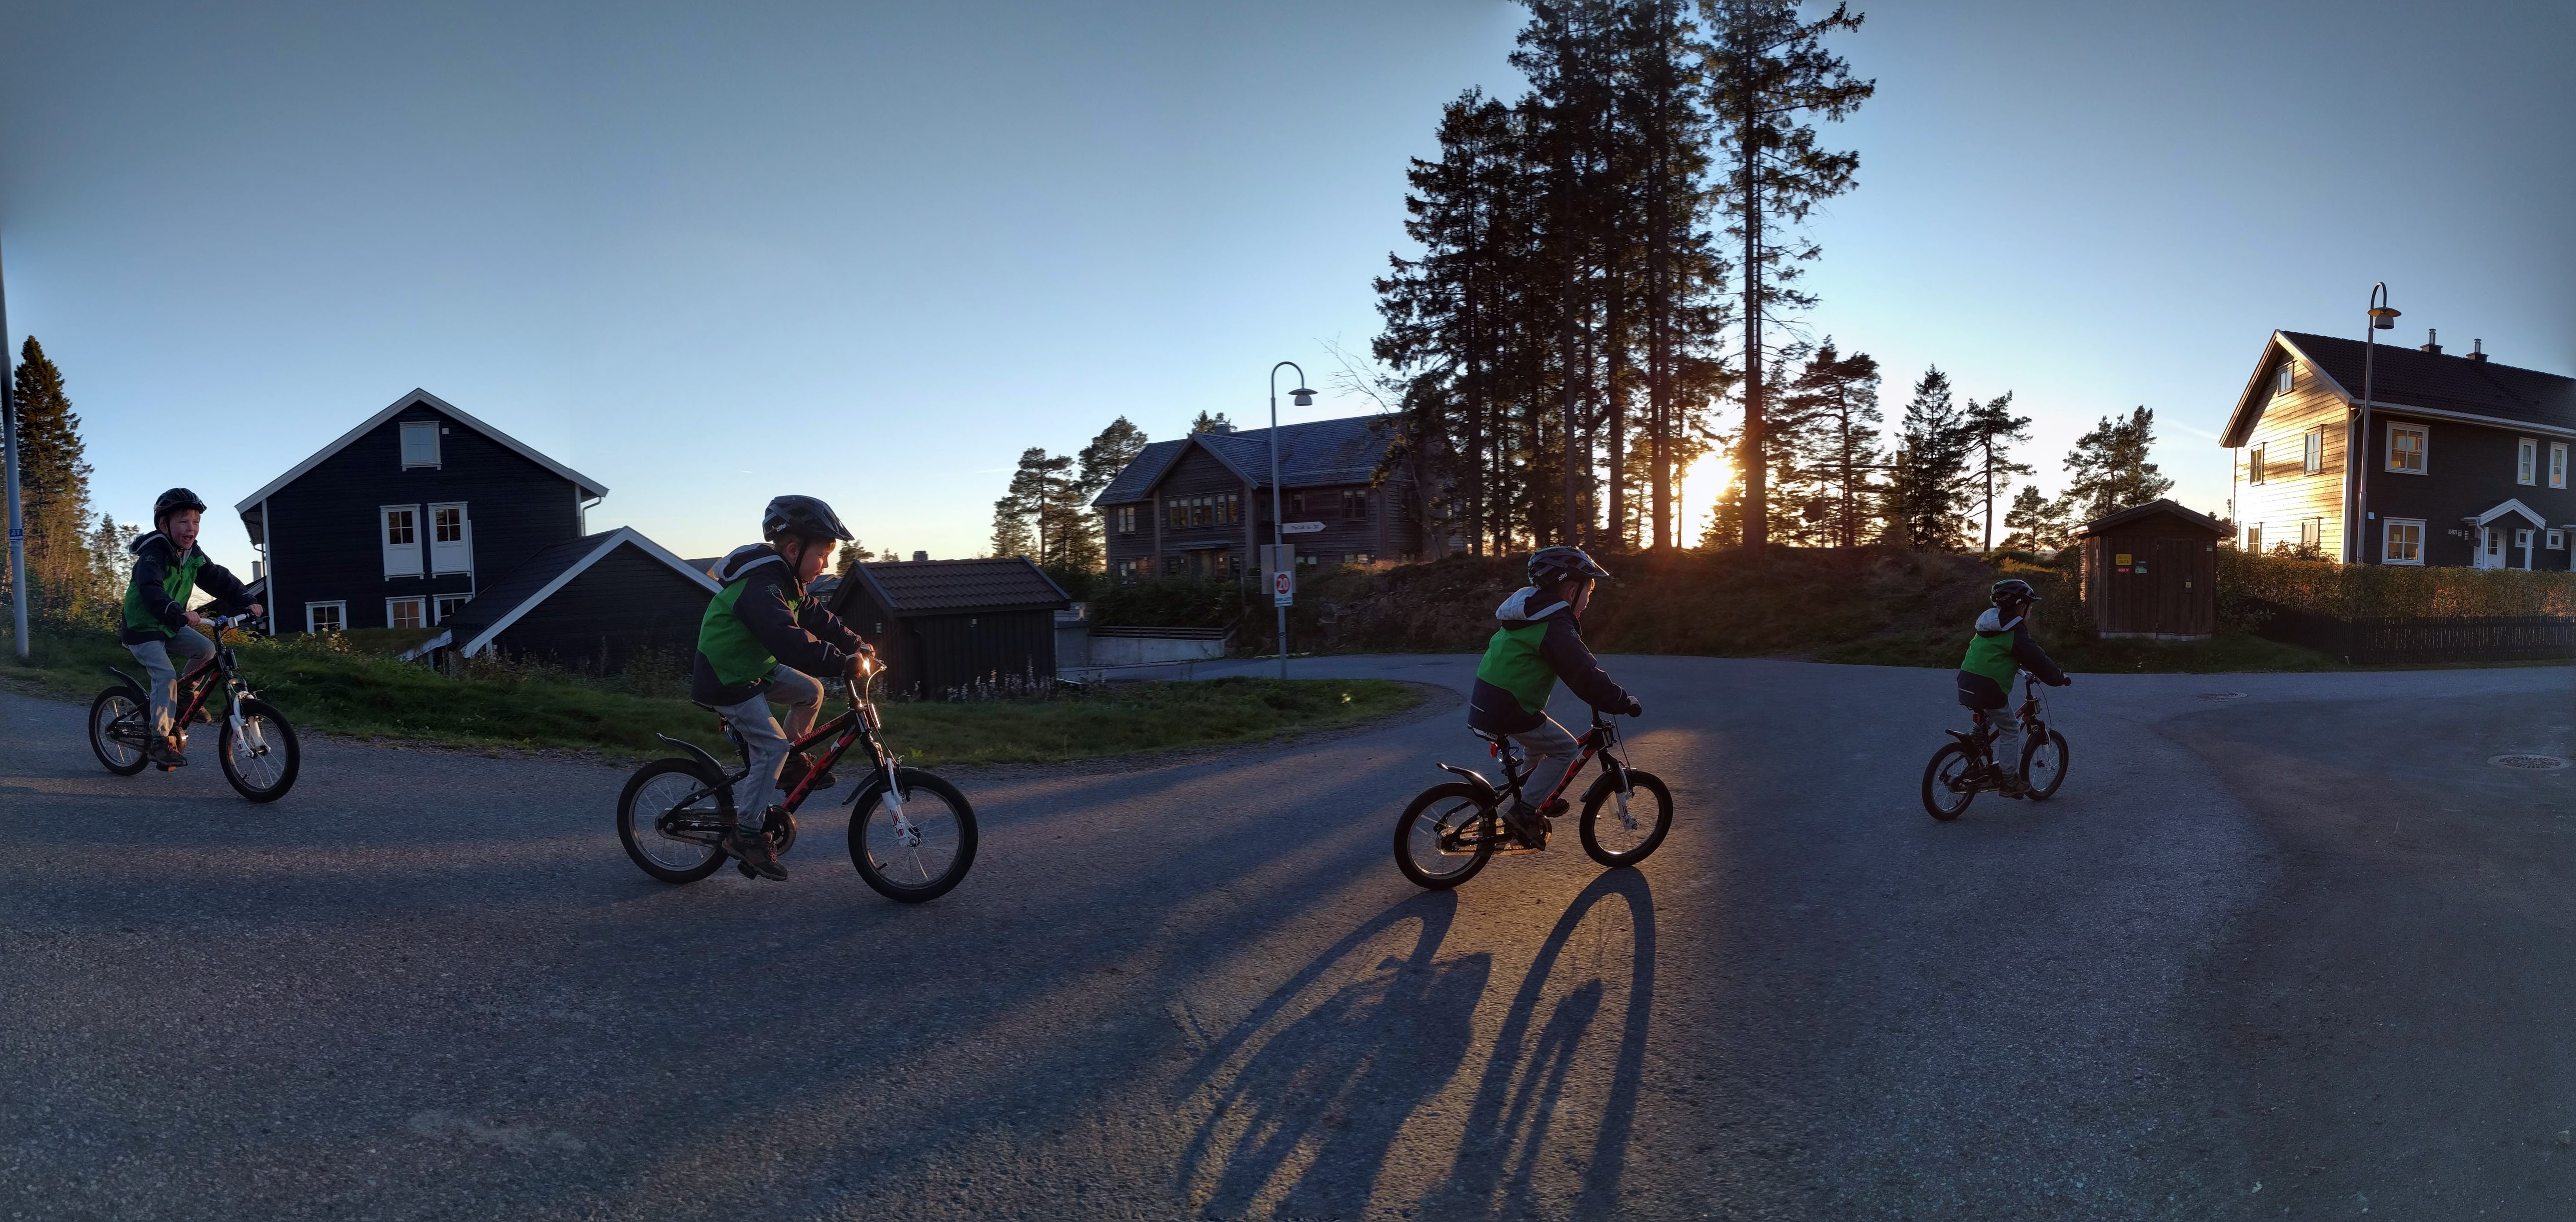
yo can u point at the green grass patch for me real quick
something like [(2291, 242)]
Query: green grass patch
[(344, 687)]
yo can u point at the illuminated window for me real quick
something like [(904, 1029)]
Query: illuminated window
[(2254, 466), (2526, 461), (2254, 537), (325, 617), (2406, 448), (2312, 456), (403, 613), (2402, 541), (2285, 378), (2557, 464)]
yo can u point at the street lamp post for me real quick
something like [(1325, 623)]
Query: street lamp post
[(2382, 318), (1301, 397)]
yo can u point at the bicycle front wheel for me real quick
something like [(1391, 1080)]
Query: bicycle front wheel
[(2043, 765), (915, 850), (261, 760), (118, 728), (1620, 829), (1946, 791), (1445, 836), (669, 819)]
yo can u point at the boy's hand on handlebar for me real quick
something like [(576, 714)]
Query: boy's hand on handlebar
[(2064, 681), (194, 620), (1635, 709)]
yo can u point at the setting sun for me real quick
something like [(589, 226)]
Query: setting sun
[(1701, 484)]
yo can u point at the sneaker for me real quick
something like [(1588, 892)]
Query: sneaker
[(792, 770), (2012, 786), (1529, 826), (823, 778), (161, 752), (753, 850)]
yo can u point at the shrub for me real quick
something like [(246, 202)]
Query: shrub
[(2248, 584)]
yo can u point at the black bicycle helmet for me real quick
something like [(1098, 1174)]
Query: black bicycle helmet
[(1549, 565), (173, 501), (804, 517), (2014, 589)]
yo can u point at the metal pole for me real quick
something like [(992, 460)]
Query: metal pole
[(1276, 534), (2361, 461), (17, 522)]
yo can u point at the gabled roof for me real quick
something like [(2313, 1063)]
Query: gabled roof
[(499, 605), (444, 408), (2511, 505), (1320, 452), (957, 587), (2148, 510), (2404, 378)]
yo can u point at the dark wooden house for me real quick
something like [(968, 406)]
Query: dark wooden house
[(2152, 571), (2467, 459), (942, 624), (1201, 504), (592, 604), (405, 518)]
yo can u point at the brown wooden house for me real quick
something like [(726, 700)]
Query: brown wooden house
[(2467, 458), (2152, 571), (942, 624), (1201, 504)]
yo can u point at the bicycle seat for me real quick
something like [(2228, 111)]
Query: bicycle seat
[(1488, 737)]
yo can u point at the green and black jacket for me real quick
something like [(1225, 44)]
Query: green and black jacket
[(156, 601), (2000, 649), (760, 621), (1532, 648)]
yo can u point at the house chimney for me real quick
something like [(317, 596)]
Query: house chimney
[(2429, 342), (918, 557), (2478, 351)]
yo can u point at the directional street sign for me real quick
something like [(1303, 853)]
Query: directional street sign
[(1300, 528)]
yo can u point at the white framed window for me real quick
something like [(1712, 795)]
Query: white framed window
[(2254, 538), (326, 617), (2312, 532), (2406, 448), (2557, 540), (2401, 541), (405, 613), (451, 539), (2526, 461), (399, 527), (2312, 451), (2285, 378), (2557, 464), (2522, 538), (2254, 466), (446, 604), (419, 444)]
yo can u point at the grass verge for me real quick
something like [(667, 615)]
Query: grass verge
[(373, 696)]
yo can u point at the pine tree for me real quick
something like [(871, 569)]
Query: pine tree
[(1769, 72), (1020, 506), (53, 480), (1990, 427), (1927, 491), (1211, 423), (852, 555), (1836, 399), (2035, 523), (2108, 467)]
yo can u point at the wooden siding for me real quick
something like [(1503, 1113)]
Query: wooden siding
[(2468, 470), (1389, 530), (2169, 587), (324, 540), (628, 603), (925, 655), (2287, 496)]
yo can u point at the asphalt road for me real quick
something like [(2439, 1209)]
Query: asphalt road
[(2299, 952)]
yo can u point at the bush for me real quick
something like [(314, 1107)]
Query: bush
[(2248, 581), (1168, 602)]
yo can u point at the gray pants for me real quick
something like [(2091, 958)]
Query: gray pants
[(1546, 740), (803, 696), (161, 675), (2007, 746)]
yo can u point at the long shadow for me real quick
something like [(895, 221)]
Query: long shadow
[(1509, 1124), (1308, 1119)]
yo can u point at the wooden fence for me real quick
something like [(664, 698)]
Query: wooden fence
[(2362, 641)]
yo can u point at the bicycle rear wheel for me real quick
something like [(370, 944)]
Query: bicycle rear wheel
[(1619, 829), (262, 760), (118, 728), (1446, 835), (2043, 765), (669, 819), (1946, 790), (928, 850)]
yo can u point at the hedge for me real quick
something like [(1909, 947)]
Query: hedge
[(2247, 581)]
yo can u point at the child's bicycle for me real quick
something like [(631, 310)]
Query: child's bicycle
[(255, 744), (1453, 829), (1963, 768), (912, 835)]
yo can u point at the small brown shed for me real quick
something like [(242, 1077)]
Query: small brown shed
[(2152, 571)]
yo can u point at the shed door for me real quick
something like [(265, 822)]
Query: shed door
[(2177, 571)]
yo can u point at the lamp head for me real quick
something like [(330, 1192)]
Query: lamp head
[(2383, 318), (1302, 397)]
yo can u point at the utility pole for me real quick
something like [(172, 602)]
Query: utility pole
[(17, 521)]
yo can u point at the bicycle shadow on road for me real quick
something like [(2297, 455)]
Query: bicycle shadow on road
[(1309, 1096)]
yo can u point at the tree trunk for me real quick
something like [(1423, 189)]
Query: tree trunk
[(1757, 511)]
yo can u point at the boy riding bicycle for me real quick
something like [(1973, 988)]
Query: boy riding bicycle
[(2002, 648), (763, 641), (168, 567), (1539, 640)]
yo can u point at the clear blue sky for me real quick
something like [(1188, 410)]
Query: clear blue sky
[(870, 250)]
